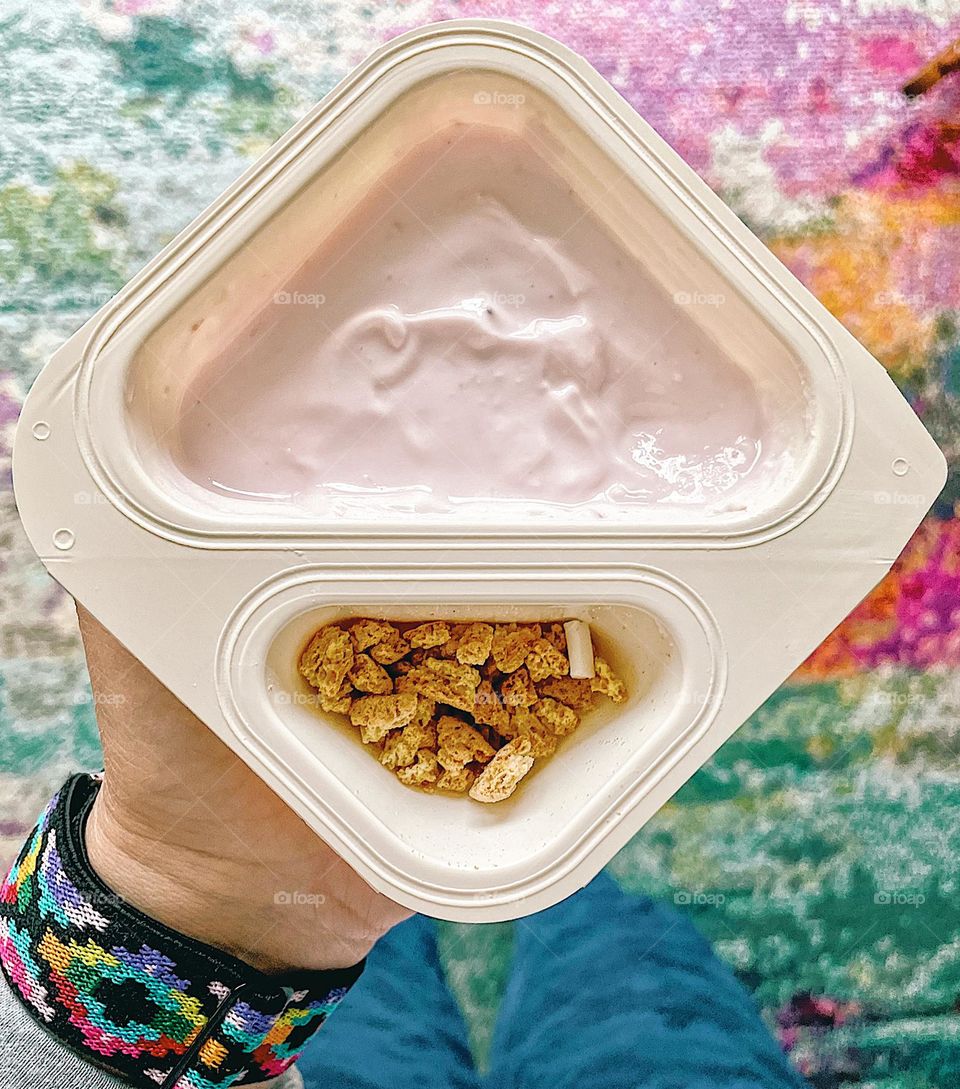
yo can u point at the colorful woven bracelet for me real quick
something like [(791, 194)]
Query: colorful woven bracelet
[(148, 1004)]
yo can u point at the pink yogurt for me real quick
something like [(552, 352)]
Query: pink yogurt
[(472, 332)]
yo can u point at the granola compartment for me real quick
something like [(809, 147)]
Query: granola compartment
[(652, 632)]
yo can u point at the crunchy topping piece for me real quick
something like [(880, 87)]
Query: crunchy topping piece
[(544, 660), (460, 744), (450, 647), (543, 741), (325, 662), (499, 778), (444, 681), (390, 650), (421, 654), (378, 715), (556, 637), (426, 709), (517, 690), (574, 693), (340, 702), (368, 676), (508, 728), (474, 645), (489, 671), (428, 635), (367, 633), (561, 719), (607, 682), (488, 707), (401, 746), (425, 769), (458, 780), (511, 644)]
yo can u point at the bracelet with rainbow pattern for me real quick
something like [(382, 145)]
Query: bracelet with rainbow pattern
[(146, 1003)]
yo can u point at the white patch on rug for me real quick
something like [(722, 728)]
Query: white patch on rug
[(748, 183)]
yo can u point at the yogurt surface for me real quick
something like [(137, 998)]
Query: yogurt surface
[(472, 332)]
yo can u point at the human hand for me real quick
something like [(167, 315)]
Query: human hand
[(186, 833)]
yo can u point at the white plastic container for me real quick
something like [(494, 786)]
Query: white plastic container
[(703, 609)]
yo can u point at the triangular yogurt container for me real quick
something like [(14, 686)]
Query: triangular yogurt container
[(703, 606)]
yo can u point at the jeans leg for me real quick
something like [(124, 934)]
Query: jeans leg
[(399, 1026), (614, 991)]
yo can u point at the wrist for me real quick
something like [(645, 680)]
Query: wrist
[(175, 886), (225, 903)]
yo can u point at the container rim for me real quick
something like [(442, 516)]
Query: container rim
[(582, 80)]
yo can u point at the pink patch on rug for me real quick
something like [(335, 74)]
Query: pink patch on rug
[(264, 42), (133, 7), (891, 53)]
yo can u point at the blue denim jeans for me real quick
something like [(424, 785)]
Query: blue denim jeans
[(607, 991)]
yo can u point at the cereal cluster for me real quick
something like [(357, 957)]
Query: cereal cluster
[(465, 708)]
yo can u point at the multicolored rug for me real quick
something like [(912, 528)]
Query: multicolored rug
[(820, 850)]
